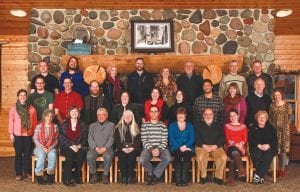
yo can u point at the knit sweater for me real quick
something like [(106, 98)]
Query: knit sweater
[(154, 135), (209, 134), (229, 78)]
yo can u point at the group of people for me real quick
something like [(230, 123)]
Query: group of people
[(149, 119)]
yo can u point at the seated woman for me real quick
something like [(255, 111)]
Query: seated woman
[(181, 140), (236, 139), (263, 145), (72, 140), (234, 100), (155, 99), (45, 139), (127, 141), (180, 102)]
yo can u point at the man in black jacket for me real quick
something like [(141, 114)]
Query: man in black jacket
[(209, 142)]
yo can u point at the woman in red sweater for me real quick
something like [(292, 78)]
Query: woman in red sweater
[(236, 139)]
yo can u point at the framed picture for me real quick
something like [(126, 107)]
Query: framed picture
[(152, 36), (287, 83)]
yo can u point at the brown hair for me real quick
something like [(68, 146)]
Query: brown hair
[(235, 85), (77, 65), (181, 110), (71, 108), (261, 112), (280, 91)]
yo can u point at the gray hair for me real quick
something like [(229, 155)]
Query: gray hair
[(102, 110)]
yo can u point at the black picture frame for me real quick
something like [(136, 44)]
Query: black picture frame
[(152, 36)]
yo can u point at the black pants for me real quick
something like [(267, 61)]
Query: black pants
[(232, 149), (23, 145), (181, 158), (127, 162), (72, 158), (261, 160)]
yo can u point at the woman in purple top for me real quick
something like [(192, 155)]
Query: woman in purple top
[(234, 100)]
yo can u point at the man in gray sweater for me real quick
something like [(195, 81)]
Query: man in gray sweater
[(101, 144)]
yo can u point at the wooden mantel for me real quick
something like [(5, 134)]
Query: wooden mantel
[(153, 63)]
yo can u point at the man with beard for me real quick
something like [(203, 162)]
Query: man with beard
[(208, 100), (139, 84), (93, 102), (51, 82), (76, 76), (40, 99)]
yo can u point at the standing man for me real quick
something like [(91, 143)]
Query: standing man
[(139, 84), (258, 73), (101, 140), (76, 76), (65, 100), (233, 76), (93, 102), (51, 82), (190, 83), (256, 101), (208, 100), (40, 99), (154, 135), (209, 142)]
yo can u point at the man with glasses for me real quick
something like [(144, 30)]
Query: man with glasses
[(154, 135), (40, 99)]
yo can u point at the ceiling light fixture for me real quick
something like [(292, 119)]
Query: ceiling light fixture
[(18, 12), (284, 12)]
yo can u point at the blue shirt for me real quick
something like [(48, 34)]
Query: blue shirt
[(179, 138)]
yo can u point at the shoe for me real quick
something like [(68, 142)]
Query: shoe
[(203, 180), (50, 179), (219, 181), (40, 180), (257, 180), (105, 179), (69, 183), (241, 174), (93, 178), (230, 182), (124, 180), (28, 176), (280, 173), (150, 180), (18, 178), (130, 180)]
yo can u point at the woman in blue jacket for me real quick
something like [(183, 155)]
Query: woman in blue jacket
[(181, 141)]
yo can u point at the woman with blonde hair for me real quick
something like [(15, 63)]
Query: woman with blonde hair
[(45, 138), (127, 141), (167, 85), (280, 117)]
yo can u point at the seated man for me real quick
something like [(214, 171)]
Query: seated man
[(154, 135), (101, 139), (209, 142)]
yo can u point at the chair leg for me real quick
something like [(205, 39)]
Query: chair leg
[(32, 169), (87, 173), (143, 174), (116, 170), (170, 172), (166, 174), (56, 171), (60, 170), (274, 169), (193, 170), (139, 171), (111, 173)]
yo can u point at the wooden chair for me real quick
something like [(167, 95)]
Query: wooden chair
[(210, 159), (154, 159), (137, 169), (33, 161), (61, 159), (100, 159), (252, 169), (193, 170)]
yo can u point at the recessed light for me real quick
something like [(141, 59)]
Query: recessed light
[(284, 12), (18, 12)]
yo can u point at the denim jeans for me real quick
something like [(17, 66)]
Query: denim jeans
[(107, 156), (41, 157), (165, 159)]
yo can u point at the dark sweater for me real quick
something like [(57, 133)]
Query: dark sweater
[(268, 81), (118, 110), (254, 104), (209, 134)]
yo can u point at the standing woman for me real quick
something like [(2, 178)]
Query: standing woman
[(181, 140), (45, 138), (263, 145), (156, 100), (180, 102), (236, 139), (167, 85), (280, 117), (72, 141), (112, 86), (234, 100), (127, 144), (22, 122)]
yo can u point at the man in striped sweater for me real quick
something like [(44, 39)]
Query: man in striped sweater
[(154, 135)]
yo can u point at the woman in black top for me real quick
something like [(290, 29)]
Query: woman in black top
[(263, 145), (127, 144)]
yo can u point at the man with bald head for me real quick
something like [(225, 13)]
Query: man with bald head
[(190, 83), (257, 100)]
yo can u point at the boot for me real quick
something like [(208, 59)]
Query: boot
[(50, 179), (40, 179), (177, 172), (239, 164), (78, 174), (93, 178), (185, 171), (230, 181)]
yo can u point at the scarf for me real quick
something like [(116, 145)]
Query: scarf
[(23, 112), (47, 144), (232, 100), (117, 88), (73, 135)]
